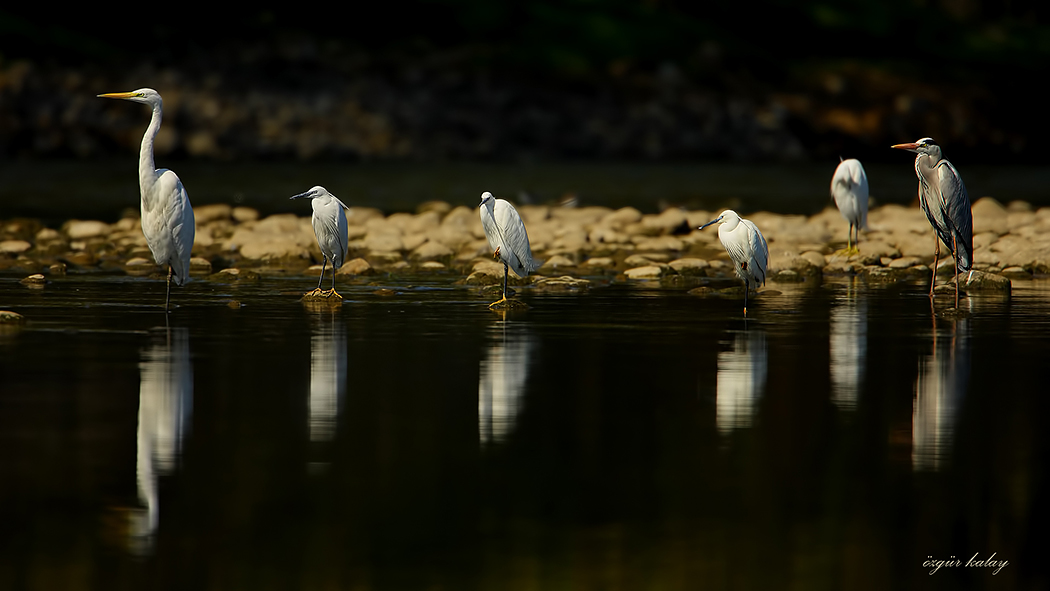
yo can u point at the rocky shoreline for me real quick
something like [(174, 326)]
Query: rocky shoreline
[(578, 245)]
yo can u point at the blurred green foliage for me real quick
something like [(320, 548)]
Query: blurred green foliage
[(566, 37)]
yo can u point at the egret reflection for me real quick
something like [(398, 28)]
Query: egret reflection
[(501, 382), (741, 380), (165, 411), (327, 374), (849, 350), (939, 392)]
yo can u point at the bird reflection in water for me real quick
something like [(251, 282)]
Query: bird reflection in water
[(939, 392), (327, 376), (501, 382), (165, 411), (741, 380), (849, 349)]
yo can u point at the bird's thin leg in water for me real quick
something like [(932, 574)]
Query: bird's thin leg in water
[(317, 291), (849, 239), (747, 288), (506, 272), (167, 294), (955, 259), (334, 293), (936, 255)]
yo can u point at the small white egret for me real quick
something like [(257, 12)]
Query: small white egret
[(167, 218), (943, 197), (507, 238), (746, 246), (329, 222), (849, 187)]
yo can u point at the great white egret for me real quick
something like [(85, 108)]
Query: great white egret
[(942, 196), (507, 238), (329, 222), (167, 218), (849, 187), (746, 246)]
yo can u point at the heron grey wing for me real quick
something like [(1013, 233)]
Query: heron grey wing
[(956, 203), (179, 223), (515, 238)]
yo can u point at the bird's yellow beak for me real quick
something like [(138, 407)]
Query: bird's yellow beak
[(910, 146), (118, 95)]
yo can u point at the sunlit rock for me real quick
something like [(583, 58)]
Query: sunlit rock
[(356, 266), (14, 246), (83, 229)]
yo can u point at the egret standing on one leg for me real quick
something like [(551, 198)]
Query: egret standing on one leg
[(849, 187), (942, 196), (329, 222), (167, 218), (507, 238), (746, 246)]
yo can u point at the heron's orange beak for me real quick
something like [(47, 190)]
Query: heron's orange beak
[(119, 95), (910, 146)]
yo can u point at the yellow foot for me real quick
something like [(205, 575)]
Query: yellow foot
[(495, 255), (848, 252), (332, 293), (314, 294), (499, 304)]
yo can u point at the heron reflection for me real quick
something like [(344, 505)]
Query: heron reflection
[(501, 382), (741, 380), (939, 392), (327, 374), (849, 349), (165, 411)]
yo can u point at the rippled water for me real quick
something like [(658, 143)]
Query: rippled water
[(632, 437)]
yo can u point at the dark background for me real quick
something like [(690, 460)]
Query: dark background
[(620, 80)]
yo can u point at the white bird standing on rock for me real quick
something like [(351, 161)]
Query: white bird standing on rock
[(507, 238), (746, 246), (849, 187), (329, 222), (167, 218)]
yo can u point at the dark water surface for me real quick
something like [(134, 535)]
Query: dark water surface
[(59, 190), (629, 438)]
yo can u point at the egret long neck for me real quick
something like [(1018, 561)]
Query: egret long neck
[(147, 169)]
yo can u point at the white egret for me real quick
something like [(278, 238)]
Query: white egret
[(507, 238), (746, 246), (849, 187), (329, 222), (167, 218), (942, 196)]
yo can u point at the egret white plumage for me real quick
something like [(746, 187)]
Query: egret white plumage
[(507, 238), (746, 246), (329, 222), (943, 197), (167, 218), (849, 187)]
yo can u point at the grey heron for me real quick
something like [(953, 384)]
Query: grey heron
[(167, 218), (329, 222), (849, 187), (942, 196), (746, 246), (507, 238)]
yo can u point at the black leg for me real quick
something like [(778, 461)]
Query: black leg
[(936, 255), (747, 288), (506, 272), (167, 294), (324, 263)]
